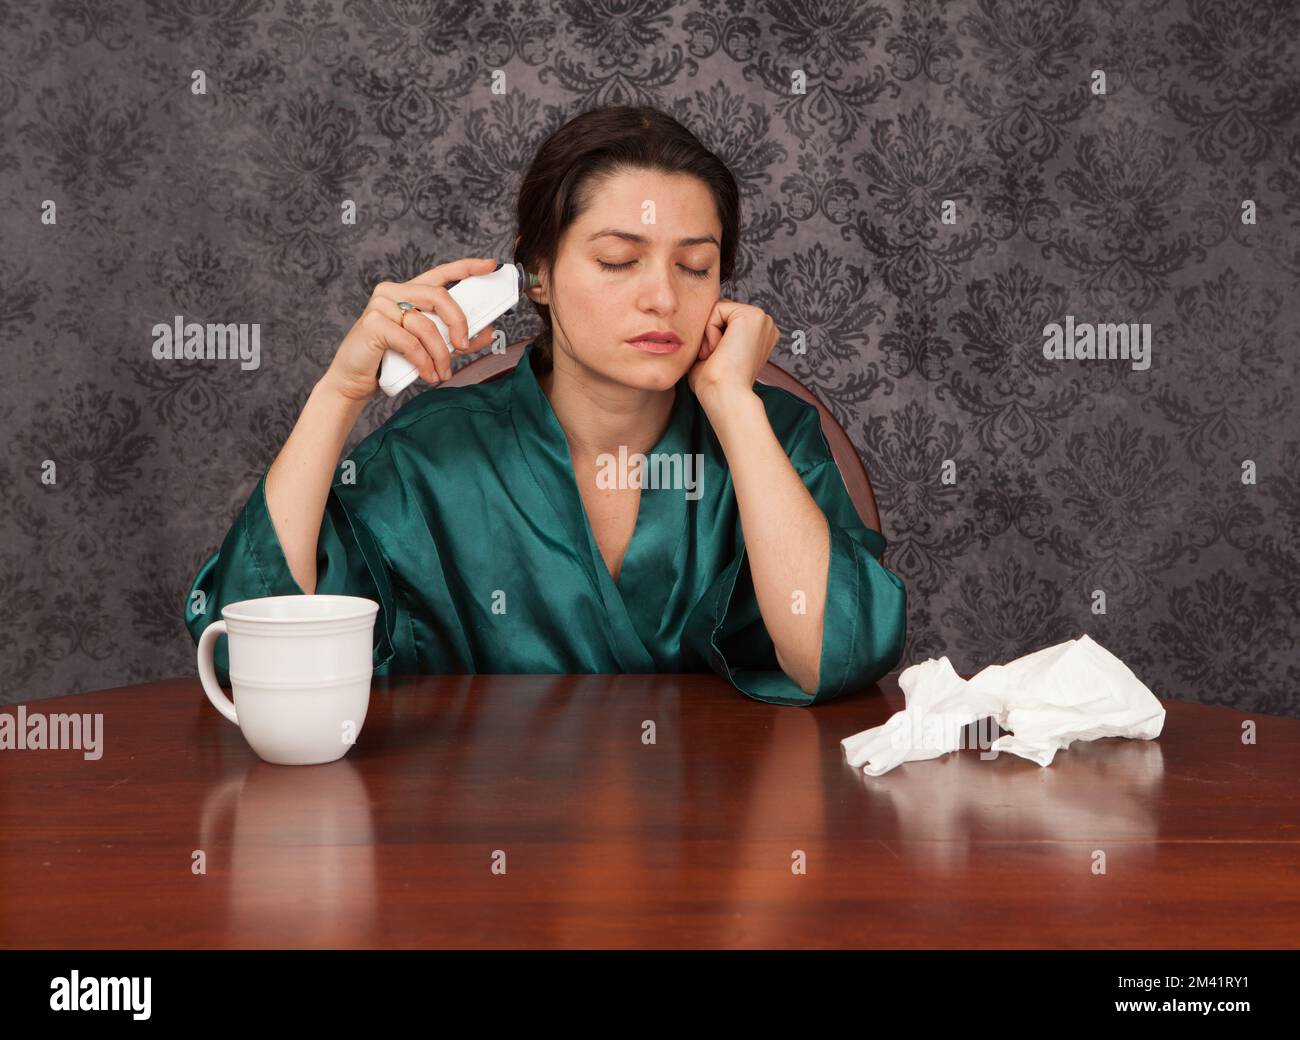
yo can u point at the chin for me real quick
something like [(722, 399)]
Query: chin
[(655, 373), (646, 371), (631, 368)]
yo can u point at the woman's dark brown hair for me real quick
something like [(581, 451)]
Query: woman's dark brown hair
[(599, 144)]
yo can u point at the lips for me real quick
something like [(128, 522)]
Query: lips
[(657, 341)]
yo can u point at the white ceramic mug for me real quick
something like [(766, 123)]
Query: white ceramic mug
[(300, 670)]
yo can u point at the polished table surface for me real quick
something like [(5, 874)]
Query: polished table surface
[(180, 837)]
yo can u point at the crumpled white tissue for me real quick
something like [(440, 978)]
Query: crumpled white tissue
[(1076, 690)]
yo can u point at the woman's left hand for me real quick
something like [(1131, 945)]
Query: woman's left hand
[(738, 339)]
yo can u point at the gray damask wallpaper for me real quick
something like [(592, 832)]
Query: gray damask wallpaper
[(945, 198)]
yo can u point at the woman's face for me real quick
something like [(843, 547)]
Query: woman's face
[(636, 223)]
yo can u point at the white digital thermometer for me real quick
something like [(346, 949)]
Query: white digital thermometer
[(483, 298)]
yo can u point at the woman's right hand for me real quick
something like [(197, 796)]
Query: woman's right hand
[(354, 372)]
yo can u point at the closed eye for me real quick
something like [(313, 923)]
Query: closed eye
[(620, 267)]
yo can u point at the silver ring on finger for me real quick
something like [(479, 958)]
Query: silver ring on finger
[(406, 308)]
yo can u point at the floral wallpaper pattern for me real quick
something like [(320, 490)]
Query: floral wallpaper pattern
[(928, 185)]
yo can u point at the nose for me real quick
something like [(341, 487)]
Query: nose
[(655, 291)]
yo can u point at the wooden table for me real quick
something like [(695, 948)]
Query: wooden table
[(609, 841)]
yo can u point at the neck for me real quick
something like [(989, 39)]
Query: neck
[(598, 416)]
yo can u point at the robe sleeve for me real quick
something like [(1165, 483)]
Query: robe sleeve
[(251, 564), (866, 604)]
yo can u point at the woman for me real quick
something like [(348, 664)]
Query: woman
[(504, 527)]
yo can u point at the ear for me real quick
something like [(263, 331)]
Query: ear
[(538, 292)]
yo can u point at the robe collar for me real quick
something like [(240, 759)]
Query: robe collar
[(656, 556)]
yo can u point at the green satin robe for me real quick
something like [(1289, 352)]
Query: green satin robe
[(466, 499)]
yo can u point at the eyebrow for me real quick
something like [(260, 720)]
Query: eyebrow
[(642, 240)]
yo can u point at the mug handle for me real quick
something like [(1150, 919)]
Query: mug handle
[(208, 674)]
